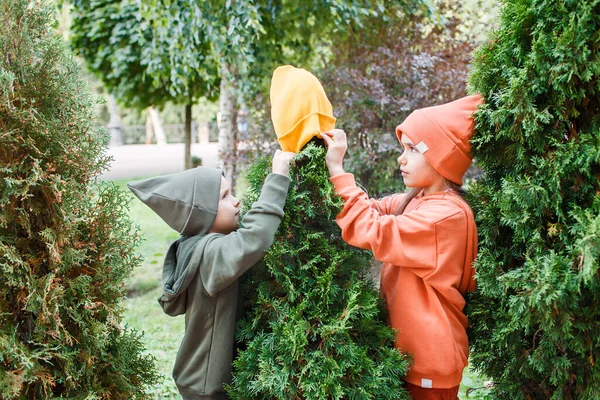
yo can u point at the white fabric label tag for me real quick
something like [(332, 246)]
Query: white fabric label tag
[(422, 147), (426, 383)]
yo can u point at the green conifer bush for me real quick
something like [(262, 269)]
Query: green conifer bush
[(315, 327), (535, 319), (66, 243)]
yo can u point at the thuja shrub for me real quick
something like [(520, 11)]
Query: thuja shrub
[(314, 327), (66, 243), (536, 316)]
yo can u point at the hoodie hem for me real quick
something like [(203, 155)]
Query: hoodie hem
[(190, 394), (434, 381)]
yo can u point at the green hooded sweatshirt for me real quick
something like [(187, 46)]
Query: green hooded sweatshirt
[(201, 269)]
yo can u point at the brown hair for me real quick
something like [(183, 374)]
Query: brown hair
[(412, 193)]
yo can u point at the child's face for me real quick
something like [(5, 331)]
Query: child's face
[(228, 213), (416, 171)]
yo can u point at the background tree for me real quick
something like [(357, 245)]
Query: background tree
[(66, 244), (536, 315), (316, 329), (408, 61), (249, 40), (119, 47)]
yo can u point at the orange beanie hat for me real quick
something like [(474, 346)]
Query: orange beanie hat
[(442, 134), (300, 109)]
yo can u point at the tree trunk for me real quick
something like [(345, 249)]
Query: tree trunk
[(227, 126), (114, 125), (157, 126), (203, 133), (188, 136), (148, 128)]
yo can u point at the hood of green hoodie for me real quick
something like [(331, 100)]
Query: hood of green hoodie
[(179, 269), (187, 201)]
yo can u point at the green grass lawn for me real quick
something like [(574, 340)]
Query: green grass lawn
[(162, 334)]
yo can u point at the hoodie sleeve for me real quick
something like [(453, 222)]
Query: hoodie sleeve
[(227, 257), (407, 239), (388, 204)]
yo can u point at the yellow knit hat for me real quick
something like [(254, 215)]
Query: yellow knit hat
[(300, 109)]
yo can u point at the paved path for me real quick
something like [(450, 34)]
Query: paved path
[(144, 160)]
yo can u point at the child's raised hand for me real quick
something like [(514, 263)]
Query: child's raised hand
[(281, 162), (337, 144)]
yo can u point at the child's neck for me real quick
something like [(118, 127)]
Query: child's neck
[(437, 187)]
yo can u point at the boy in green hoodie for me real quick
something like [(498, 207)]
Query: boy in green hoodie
[(202, 267)]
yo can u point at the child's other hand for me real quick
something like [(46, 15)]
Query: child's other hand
[(337, 144), (281, 162)]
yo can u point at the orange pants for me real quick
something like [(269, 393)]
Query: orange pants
[(419, 393)]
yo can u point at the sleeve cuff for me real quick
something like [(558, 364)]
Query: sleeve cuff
[(344, 184)]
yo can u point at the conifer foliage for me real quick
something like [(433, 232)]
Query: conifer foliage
[(315, 328), (66, 244), (536, 317)]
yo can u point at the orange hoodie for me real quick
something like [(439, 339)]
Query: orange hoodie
[(427, 254)]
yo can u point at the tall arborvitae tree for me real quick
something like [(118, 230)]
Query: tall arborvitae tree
[(315, 327), (536, 317), (66, 243)]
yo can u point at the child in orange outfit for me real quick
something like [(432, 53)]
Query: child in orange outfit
[(426, 239)]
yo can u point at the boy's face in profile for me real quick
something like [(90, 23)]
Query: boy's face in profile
[(228, 212)]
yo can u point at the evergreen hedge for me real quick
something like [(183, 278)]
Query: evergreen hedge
[(315, 326), (536, 317), (66, 243)]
